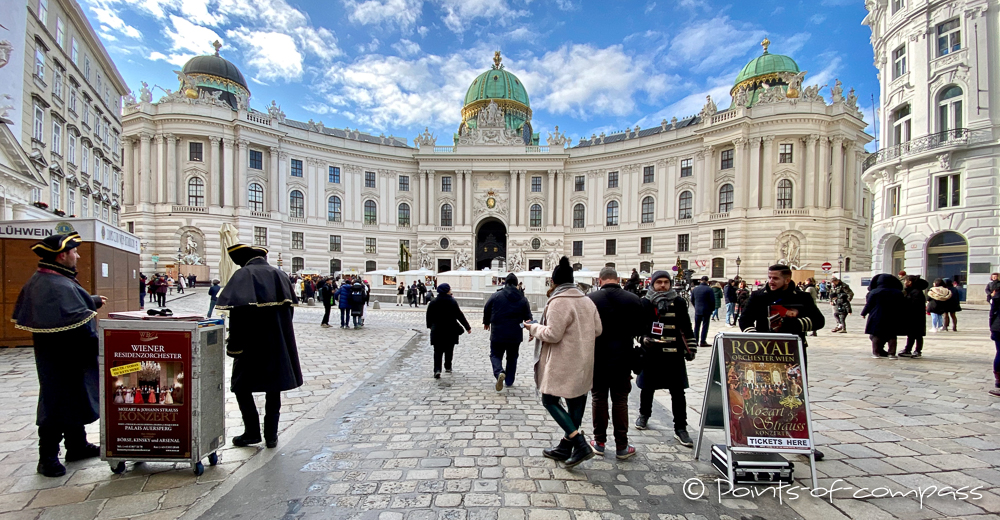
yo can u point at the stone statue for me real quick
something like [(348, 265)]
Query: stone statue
[(771, 94), (838, 92), (852, 99), (708, 110), (794, 82), (557, 139), (275, 112), (130, 99), (788, 247), (462, 259), (6, 49), (6, 108), (812, 93), (423, 257), (515, 261), (552, 260), (145, 94), (741, 98), (425, 139)]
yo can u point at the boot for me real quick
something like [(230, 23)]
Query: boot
[(77, 447), (996, 390), (271, 430), (48, 452), (560, 452), (581, 451)]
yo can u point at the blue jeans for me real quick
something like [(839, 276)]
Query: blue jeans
[(937, 320), (357, 321), (142, 300), (730, 313), (345, 316), (497, 351), (211, 307), (701, 320)]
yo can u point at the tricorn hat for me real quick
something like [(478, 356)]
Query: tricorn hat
[(52, 245), (243, 253)]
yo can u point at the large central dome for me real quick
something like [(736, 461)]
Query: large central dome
[(506, 90)]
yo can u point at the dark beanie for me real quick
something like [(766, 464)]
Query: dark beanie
[(659, 274), (511, 279), (444, 288), (563, 273)]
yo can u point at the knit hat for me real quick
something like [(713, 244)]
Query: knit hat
[(939, 293), (50, 247), (511, 279), (563, 273), (444, 288), (659, 274)]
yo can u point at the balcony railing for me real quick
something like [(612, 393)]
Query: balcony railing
[(719, 216), (188, 209), (927, 142), (260, 214), (791, 212)]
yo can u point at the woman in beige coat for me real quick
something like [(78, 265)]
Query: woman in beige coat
[(564, 361)]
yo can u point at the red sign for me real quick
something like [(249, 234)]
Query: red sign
[(827, 266), (147, 400)]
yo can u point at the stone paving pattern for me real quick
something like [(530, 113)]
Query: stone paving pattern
[(372, 435)]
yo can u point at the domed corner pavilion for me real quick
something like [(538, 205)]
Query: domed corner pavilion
[(499, 86), (764, 71), (213, 73)]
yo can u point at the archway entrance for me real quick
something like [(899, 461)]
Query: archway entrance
[(948, 257), (491, 242), (898, 257)]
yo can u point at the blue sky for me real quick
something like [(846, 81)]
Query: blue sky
[(396, 66)]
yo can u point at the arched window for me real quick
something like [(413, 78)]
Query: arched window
[(196, 192), (684, 209), (784, 194), (950, 112), (647, 210), (333, 209), (947, 256), (535, 215), (370, 212), (334, 266), (446, 214), (370, 266), (255, 196), (726, 198), (612, 218), (579, 216), (296, 205), (403, 214)]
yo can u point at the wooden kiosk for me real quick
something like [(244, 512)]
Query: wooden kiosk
[(108, 265)]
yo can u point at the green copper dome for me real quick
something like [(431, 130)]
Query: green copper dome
[(503, 88), (767, 65)]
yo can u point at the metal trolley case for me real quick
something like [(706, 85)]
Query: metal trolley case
[(162, 397)]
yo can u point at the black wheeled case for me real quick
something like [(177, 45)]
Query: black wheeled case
[(753, 468)]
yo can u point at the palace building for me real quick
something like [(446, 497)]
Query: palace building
[(775, 177)]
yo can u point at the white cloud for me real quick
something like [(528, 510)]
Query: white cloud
[(458, 14), (650, 7), (109, 19), (708, 45), (406, 48), (259, 82), (186, 36), (198, 10), (401, 13), (566, 5), (174, 59), (273, 54), (817, 18)]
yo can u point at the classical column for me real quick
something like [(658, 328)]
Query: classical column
[(592, 178), (128, 195), (422, 197), (213, 195), (859, 157), (705, 178), (313, 192), (432, 216), (809, 176), (272, 184), (173, 186), (468, 197), (668, 187), (459, 217), (754, 200), (517, 205), (767, 195), (282, 207), (739, 177), (837, 194), (561, 198), (550, 198), (242, 157), (227, 171), (145, 169), (823, 173)]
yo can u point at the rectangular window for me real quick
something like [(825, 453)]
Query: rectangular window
[(298, 264), (335, 243), (38, 132), (847, 238), (897, 5), (195, 151), (86, 115), (718, 268), (648, 174), (74, 50), (785, 153), (333, 174), (686, 168), (106, 212), (404, 183), (257, 159), (84, 207), (70, 202), (296, 168), (72, 99), (901, 125), (727, 159), (948, 191), (899, 62), (369, 179), (892, 201), (611, 247), (56, 202), (646, 246), (536, 184), (683, 243), (949, 37), (612, 179), (86, 67), (71, 148), (298, 240), (259, 236), (57, 137), (578, 248), (84, 159), (43, 10), (718, 239), (40, 63), (60, 33), (97, 168), (446, 183), (370, 245), (579, 183), (57, 84), (99, 85)]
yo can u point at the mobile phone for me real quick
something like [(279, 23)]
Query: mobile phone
[(532, 321)]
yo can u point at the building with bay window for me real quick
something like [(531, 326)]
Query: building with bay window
[(935, 174)]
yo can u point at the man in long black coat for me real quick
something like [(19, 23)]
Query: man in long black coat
[(621, 320), (60, 314), (703, 299), (259, 298), (885, 309), (446, 321), (503, 315)]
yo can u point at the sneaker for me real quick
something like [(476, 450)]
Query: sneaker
[(934, 329), (437, 375), (683, 438), (499, 385), (905, 354), (626, 453), (916, 355), (325, 325), (447, 370), (818, 454), (641, 422), (875, 356), (87, 451), (598, 447), (842, 331), (893, 357), (246, 440)]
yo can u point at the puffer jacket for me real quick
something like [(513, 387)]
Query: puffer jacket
[(938, 300)]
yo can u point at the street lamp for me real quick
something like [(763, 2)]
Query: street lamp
[(738, 262), (840, 267)]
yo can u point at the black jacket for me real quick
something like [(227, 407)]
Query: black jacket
[(504, 312), (446, 320), (621, 320), (703, 299), (326, 294), (915, 311), (955, 302), (663, 362), (884, 307), (995, 316), (730, 293), (756, 315), (357, 299)]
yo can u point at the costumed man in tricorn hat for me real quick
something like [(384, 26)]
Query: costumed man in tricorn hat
[(259, 298), (60, 313)]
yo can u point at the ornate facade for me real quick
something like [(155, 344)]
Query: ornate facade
[(935, 175), (775, 177)]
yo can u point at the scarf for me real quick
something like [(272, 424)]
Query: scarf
[(939, 293), (657, 296)]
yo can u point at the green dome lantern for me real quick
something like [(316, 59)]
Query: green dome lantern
[(767, 68), (499, 86), (213, 73)]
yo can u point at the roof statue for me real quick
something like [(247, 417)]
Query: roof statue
[(709, 110), (275, 112), (497, 85), (496, 61), (838, 91), (425, 139), (794, 82), (218, 45), (765, 43)]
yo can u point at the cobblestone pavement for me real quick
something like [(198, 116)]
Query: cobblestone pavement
[(373, 435)]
